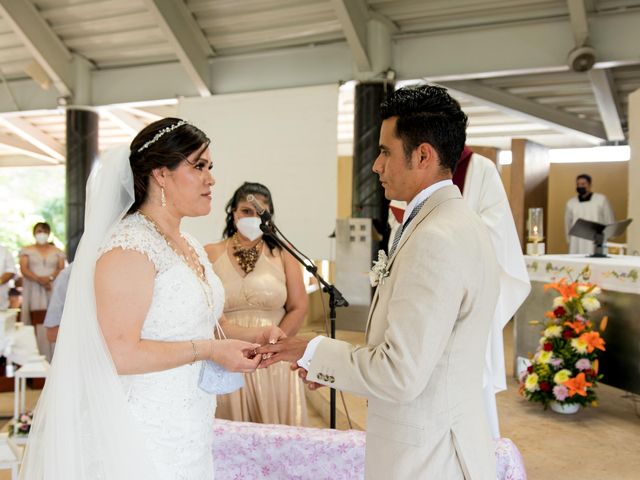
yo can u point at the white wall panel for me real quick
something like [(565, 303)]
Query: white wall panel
[(285, 139)]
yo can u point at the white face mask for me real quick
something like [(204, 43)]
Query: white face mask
[(41, 238), (249, 227)]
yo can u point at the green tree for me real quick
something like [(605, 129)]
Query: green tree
[(29, 195)]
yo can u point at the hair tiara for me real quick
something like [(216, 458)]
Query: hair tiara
[(162, 132)]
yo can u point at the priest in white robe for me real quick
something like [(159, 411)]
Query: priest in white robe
[(587, 205), (481, 186), (479, 181)]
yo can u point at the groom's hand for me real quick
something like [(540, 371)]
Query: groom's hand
[(302, 373), (289, 349)]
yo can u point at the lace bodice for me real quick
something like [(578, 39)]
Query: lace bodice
[(180, 300), (174, 414)]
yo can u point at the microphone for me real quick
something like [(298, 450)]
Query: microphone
[(263, 213)]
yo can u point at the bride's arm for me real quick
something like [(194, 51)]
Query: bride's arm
[(124, 282)]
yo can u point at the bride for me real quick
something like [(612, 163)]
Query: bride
[(122, 400)]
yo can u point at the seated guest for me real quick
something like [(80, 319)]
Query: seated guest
[(263, 286)]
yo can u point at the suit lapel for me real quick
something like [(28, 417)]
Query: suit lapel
[(445, 193)]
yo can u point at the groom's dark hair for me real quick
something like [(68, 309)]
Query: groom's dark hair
[(428, 114)]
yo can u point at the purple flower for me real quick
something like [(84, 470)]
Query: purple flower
[(560, 392), (556, 362), (580, 318), (583, 364)]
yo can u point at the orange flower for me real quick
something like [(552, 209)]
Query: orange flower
[(595, 365), (550, 314), (577, 326), (577, 385), (567, 291), (593, 341), (603, 323)]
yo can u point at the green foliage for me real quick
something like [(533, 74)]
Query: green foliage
[(29, 195)]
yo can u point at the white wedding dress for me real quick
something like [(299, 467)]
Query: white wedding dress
[(174, 415)]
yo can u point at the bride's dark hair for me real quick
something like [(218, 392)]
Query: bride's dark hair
[(168, 150)]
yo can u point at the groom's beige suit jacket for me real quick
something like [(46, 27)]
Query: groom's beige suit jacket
[(427, 332)]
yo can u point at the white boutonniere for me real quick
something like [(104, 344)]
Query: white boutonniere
[(380, 269)]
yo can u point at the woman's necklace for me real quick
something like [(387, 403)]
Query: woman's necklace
[(247, 257), (193, 262)]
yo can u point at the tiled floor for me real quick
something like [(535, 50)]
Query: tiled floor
[(595, 444)]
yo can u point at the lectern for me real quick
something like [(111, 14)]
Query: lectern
[(598, 233)]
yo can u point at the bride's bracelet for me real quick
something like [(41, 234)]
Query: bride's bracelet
[(195, 352)]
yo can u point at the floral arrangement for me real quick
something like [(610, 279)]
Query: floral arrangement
[(564, 368), (22, 425)]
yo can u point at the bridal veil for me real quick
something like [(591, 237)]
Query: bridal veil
[(82, 425)]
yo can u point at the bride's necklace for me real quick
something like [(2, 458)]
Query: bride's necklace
[(247, 257), (193, 262)]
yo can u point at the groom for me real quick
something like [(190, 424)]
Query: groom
[(427, 331)]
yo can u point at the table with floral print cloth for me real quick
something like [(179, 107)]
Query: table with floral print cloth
[(250, 451)]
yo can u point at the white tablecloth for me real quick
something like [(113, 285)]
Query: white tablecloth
[(250, 451), (620, 273)]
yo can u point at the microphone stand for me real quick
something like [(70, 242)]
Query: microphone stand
[(335, 297)]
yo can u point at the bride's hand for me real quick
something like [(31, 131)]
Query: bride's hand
[(269, 335), (236, 355)]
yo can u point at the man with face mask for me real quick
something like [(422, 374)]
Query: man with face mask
[(587, 205)]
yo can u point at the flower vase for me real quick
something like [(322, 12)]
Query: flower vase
[(565, 408)]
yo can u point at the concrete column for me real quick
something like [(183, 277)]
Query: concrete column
[(82, 151), (368, 199)]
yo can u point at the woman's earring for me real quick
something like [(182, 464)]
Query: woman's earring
[(163, 199)]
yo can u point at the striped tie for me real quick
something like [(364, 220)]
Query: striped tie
[(398, 236)]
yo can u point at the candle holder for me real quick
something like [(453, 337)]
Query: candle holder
[(535, 228)]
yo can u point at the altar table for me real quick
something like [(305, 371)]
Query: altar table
[(250, 451)]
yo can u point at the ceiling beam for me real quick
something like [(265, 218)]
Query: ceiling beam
[(186, 38), (23, 147), (556, 119), (469, 54), (579, 23), (604, 90), (124, 119), (34, 136), (353, 15), (41, 42)]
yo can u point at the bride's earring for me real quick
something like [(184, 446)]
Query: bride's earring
[(163, 199)]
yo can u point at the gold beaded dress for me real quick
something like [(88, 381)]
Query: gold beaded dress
[(276, 394)]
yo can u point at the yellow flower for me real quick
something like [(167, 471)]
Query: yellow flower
[(562, 376), (544, 357), (590, 304), (558, 302), (579, 345), (554, 331), (531, 382)]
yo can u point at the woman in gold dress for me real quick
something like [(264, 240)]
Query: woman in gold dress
[(263, 286)]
